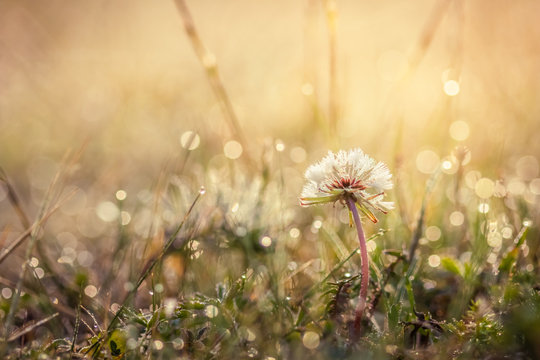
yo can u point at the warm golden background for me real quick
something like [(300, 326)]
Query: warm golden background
[(409, 81), (412, 80)]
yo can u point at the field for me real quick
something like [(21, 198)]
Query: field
[(153, 157)]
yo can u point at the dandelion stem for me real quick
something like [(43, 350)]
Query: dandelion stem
[(364, 282)]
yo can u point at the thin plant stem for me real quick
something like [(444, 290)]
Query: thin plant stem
[(331, 18), (421, 218), (147, 271), (208, 61), (364, 281)]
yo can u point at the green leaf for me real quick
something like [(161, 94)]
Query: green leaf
[(408, 286), (117, 343), (508, 261), (521, 237), (451, 265), (393, 315)]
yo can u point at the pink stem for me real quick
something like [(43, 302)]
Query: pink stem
[(364, 281)]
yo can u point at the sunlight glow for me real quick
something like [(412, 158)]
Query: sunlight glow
[(107, 211), (125, 218), (472, 177), (190, 140), (298, 154), (484, 188), (451, 88), (280, 146), (371, 245), (433, 233), (494, 239), (40, 273), (7, 293), (516, 187), (434, 261), (506, 232), (492, 258), (427, 161), (294, 233), (158, 344), (449, 165), (266, 241), (121, 195), (457, 218), (211, 311), (459, 130), (307, 89), (534, 186), (311, 340), (233, 149), (446, 164), (483, 208), (527, 167), (90, 291), (178, 343), (392, 65), (34, 262)]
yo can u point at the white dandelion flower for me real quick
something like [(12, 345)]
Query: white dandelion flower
[(348, 174), (358, 181)]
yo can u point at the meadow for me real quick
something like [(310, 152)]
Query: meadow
[(153, 157)]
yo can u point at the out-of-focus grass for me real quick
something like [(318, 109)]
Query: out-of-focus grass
[(250, 273)]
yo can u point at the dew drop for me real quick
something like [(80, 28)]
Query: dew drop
[(311, 340)]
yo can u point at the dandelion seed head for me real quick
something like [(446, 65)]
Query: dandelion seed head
[(348, 173)]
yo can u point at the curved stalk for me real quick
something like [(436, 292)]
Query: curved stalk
[(364, 282)]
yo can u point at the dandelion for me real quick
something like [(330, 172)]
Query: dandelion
[(357, 181)]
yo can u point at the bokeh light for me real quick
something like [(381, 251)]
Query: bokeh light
[(451, 88), (232, 149), (433, 233), (434, 260), (190, 140), (457, 218), (459, 130), (484, 188), (311, 340), (427, 161)]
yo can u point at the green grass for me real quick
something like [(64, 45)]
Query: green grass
[(208, 287)]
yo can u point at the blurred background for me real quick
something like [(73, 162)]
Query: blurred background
[(405, 81)]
